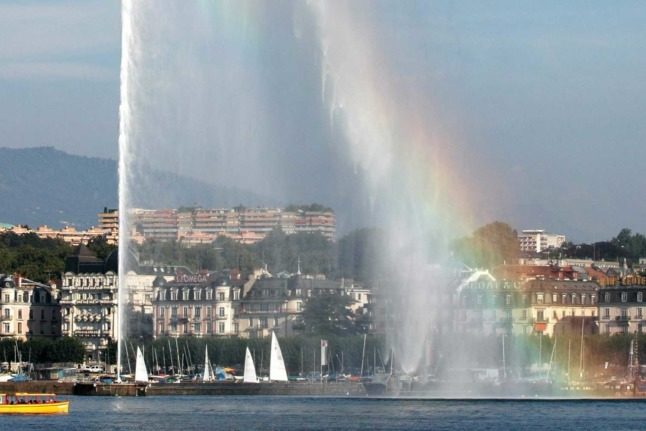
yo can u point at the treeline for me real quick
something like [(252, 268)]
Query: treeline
[(42, 350), (497, 243), (353, 256), (40, 259), (32, 257)]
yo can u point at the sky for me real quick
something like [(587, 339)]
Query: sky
[(542, 102)]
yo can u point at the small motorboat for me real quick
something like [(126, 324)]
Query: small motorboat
[(32, 404)]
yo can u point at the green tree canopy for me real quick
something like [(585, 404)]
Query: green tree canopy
[(489, 246), (329, 314)]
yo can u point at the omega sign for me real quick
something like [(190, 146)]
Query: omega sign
[(191, 278)]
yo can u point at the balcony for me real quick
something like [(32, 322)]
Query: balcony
[(87, 333), (4, 318)]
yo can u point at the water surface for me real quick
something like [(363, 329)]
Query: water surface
[(317, 413)]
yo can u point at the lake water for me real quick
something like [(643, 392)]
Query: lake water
[(296, 413)]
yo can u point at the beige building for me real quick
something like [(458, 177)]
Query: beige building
[(489, 306), (193, 226), (194, 305), (221, 305), (622, 309), (28, 309), (89, 309)]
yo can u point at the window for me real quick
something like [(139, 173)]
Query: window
[(221, 311), (236, 295), (221, 327), (185, 294), (19, 315), (220, 296), (185, 311), (198, 312), (606, 297), (263, 322), (208, 312), (173, 312), (555, 298), (19, 327), (539, 316), (507, 300), (31, 313), (523, 315), (299, 306), (7, 328), (197, 327), (7, 312), (209, 294), (624, 296), (7, 299), (161, 312), (236, 328), (540, 298), (624, 314), (197, 293), (640, 296), (173, 295), (639, 312)]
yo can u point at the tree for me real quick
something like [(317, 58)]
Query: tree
[(99, 245), (489, 246), (329, 314)]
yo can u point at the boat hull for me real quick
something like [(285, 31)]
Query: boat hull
[(58, 407)]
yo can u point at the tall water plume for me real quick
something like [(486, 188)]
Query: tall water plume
[(393, 140), (297, 102)]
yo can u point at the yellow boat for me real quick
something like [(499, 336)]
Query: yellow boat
[(23, 403)]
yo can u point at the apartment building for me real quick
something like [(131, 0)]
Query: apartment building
[(28, 309), (538, 240)]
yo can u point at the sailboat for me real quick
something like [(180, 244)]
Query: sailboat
[(249, 369), (277, 372), (207, 375), (141, 374)]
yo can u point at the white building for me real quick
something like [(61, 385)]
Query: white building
[(537, 240)]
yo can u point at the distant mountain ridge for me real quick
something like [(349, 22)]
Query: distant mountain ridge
[(46, 186)]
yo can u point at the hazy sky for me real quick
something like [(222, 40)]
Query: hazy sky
[(547, 99)]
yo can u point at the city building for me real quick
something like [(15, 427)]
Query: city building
[(89, 301), (538, 240), (195, 304), (488, 306), (28, 309), (226, 304), (193, 226), (622, 309)]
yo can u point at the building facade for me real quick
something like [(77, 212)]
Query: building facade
[(538, 240), (622, 309), (246, 225), (488, 306), (28, 309)]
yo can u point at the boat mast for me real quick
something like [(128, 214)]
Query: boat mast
[(170, 355), (363, 354), (581, 350)]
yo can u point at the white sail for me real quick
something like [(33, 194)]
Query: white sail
[(141, 375), (207, 376), (277, 372), (249, 369)]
